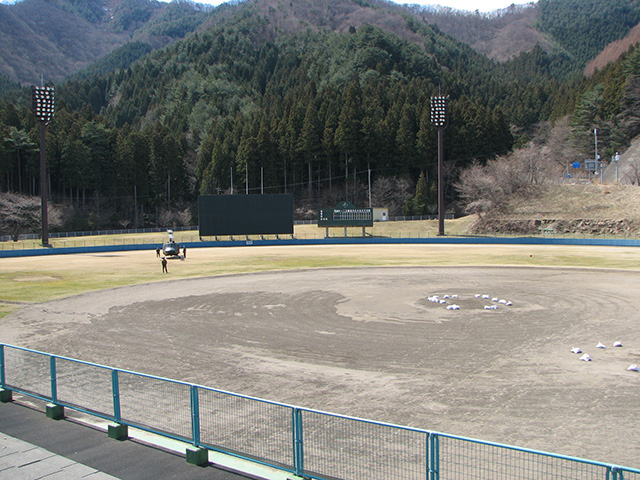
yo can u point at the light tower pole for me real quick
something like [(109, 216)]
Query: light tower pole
[(43, 109), (439, 118)]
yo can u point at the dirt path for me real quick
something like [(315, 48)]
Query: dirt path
[(367, 342)]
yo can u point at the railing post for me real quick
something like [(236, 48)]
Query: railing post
[(54, 382), (433, 456), (298, 444), (427, 457), (5, 395), (117, 430), (53, 410), (196, 455), (195, 416), (115, 387), (617, 474), (2, 377)]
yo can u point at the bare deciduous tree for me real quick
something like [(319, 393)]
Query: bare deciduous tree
[(632, 173), (124, 222), (479, 207), (391, 193), (486, 187), (174, 218), (22, 214)]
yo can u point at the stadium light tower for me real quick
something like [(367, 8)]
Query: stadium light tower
[(440, 118), (43, 109)]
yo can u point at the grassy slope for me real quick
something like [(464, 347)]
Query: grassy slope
[(580, 202), (572, 210)]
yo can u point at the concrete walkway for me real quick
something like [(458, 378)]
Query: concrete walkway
[(33, 446), (21, 460)]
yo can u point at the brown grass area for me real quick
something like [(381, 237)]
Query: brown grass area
[(611, 211), (579, 202)]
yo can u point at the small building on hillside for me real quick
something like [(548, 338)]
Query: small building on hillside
[(380, 214)]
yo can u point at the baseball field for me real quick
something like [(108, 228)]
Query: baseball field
[(356, 330)]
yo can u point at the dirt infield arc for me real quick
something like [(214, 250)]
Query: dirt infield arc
[(368, 342)]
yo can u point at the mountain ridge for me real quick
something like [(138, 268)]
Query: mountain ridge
[(57, 38), (81, 33)]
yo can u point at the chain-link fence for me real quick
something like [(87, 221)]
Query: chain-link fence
[(305, 442)]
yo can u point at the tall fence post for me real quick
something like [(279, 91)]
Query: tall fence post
[(298, 445), (433, 456)]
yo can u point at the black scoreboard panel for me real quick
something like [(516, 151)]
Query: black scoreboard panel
[(245, 215)]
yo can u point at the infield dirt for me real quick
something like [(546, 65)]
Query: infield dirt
[(367, 342)]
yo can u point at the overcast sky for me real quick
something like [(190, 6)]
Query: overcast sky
[(470, 5)]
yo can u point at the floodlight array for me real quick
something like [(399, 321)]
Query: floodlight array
[(43, 103), (439, 113)]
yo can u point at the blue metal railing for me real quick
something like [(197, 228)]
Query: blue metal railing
[(304, 442)]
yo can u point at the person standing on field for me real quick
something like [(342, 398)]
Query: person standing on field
[(164, 265)]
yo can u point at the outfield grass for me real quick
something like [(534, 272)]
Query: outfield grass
[(42, 278)]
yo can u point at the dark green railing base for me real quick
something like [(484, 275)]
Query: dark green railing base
[(6, 396), (118, 431), (55, 412), (197, 456)]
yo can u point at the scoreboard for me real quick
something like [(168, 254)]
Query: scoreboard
[(345, 214), (245, 215)]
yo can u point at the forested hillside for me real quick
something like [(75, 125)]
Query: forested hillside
[(583, 28), (577, 29), (56, 38), (314, 98)]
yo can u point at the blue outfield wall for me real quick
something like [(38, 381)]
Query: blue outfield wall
[(335, 241)]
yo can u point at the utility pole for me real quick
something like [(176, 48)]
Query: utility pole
[(598, 165), (369, 181)]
